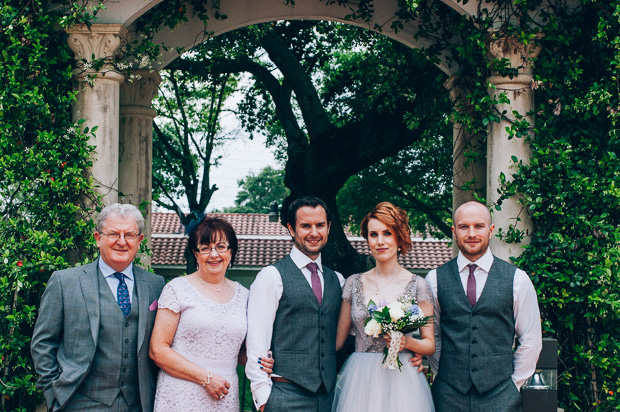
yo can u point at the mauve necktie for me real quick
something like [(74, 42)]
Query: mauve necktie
[(316, 281), (122, 294), (471, 285)]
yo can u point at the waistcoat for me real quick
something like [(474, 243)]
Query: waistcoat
[(114, 367), (476, 343), (304, 332)]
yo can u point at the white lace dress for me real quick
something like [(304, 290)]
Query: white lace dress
[(363, 385), (209, 334)]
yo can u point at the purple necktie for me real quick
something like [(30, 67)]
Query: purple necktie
[(471, 285), (316, 281), (122, 294)]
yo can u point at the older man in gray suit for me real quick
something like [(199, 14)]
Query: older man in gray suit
[(91, 340)]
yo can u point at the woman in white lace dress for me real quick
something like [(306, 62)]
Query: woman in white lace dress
[(363, 384), (200, 328)]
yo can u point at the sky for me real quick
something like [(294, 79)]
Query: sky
[(239, 158)]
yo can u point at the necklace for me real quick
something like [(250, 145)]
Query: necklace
[(218, 285), (374, 273)]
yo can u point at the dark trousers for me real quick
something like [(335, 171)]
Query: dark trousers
[(286, 397), (82, 403), (503, 398)]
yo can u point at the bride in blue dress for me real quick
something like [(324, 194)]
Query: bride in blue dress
[(363, 384)]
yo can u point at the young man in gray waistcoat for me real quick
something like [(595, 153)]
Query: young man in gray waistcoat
[(91, 340), (293, 311), (481, 304)]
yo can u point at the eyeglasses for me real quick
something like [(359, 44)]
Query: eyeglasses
[(113, 236), (219, 248)]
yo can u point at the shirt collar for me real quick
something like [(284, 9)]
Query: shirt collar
[(483, 263), (301, 260), (108, 271)]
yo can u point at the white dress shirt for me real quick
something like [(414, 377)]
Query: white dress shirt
[(108, 274), (525, 308), (265, 294)]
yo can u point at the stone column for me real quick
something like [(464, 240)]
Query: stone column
[(98, 98), (468, 152), (136, 141), (501, 149)]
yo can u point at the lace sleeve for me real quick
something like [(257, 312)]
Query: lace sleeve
[(423, 292), (347, 289), (169, 298)]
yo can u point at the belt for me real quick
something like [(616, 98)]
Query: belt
[(280, 379)]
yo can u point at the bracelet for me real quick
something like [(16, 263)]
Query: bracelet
[(209, 376)]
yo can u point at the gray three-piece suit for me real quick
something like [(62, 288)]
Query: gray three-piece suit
[(85, 350)]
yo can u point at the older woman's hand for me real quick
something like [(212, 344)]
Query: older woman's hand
[(217, 387), (266, 363)]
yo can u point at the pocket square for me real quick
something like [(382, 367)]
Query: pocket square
[(153, 305)]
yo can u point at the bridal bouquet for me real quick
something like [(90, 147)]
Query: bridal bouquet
[(395, 319)]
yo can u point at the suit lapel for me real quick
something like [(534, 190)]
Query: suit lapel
[(90, 291), (142, 289)]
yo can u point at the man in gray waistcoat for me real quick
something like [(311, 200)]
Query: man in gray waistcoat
[(293, 310), (91, 340), (481, 304)]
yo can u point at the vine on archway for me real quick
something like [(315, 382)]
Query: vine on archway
[(46, 195), (570, 185)]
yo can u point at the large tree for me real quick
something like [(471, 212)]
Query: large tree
[(336, 99), (418, 179)]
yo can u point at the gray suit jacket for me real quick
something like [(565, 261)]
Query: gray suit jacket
[(66, 332)]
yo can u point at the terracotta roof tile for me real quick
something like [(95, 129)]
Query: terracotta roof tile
[(244, 224), (169, 250)]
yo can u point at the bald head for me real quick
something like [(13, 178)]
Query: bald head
[(473, 207), (472, 229)]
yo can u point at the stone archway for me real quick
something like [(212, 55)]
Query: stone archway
[(122, 109)]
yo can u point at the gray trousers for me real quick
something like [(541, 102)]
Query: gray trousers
[(287, 397), (81, 403), (503, 398)]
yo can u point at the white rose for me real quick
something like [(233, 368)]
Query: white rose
[(396, 311), (373, 328)]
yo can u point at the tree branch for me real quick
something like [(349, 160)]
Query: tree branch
[(316, 120)]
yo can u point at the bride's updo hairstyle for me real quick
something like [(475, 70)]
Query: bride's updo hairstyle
[(395, 219)]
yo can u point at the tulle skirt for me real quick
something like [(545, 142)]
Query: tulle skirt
[(363, 385)]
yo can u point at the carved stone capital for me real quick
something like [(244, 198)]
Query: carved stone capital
[(519, 54), (140, 88), (99, 41)]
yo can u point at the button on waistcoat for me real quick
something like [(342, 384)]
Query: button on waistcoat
[(476, 342), (304, 332), (114, 367)]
